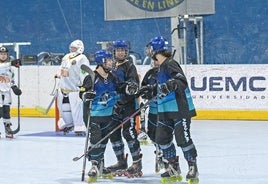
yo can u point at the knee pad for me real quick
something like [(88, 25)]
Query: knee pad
[(116, 136), (164, 134), (6, 111), (151, 130), (65, 99), (66, 113), (95, 133)]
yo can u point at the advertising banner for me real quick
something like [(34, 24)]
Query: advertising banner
[(142, 9), (227, 91), (227, 87)]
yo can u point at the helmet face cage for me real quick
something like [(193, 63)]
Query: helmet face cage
[(149, 51), (120, 45), (79, 45)]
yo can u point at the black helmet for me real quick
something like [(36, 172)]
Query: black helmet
[(3, 49)]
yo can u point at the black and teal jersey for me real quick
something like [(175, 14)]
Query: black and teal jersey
[(178, 103)]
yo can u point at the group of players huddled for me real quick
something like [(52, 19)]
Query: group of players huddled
[(114, 93), (111, 97)]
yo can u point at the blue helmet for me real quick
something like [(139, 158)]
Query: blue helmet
[(120, 44), (158, 44), (101, 55)]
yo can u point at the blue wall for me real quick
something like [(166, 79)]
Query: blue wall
[(237, 33)]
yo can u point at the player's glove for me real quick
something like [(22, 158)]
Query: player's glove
[(16, 63), (132, 88), (88, 96), (167, 87), (118, 111), (87, 83), (16, 90), (87, 86), (147, 91)]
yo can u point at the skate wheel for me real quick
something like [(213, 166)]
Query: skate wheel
[(164, 181), (179, 178), (172, 179), (91, 179), (107, 176), (126, 173), (111, 176), (9, 136), (193, 181), (144, 142)]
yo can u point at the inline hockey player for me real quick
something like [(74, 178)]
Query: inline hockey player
[(71, 78), (7, 83), (105, 93), (148, 91), (175, 110), (125, 106)]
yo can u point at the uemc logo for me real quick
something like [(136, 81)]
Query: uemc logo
[(255, 83), (155, 5)]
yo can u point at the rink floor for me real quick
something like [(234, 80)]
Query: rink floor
[(229, 152)]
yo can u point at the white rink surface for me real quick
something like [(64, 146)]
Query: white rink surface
[(229, 152)]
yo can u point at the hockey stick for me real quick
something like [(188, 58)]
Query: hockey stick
[(54, 93), (46, 110), (116, 128), (89, 71), (18, 127), (92, 74)]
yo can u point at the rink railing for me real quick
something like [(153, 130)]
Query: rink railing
[(218, 91)]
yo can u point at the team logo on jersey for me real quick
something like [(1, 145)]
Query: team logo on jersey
[(73, 62), (155, 5)]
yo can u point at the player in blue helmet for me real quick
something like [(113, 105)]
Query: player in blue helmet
[(157, 45), (121, 50), (106, 88), (175, 109), (104, 58), (125, 107)]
